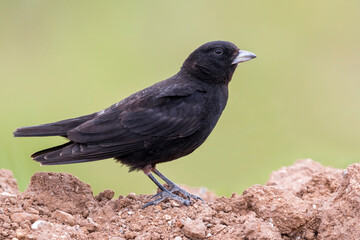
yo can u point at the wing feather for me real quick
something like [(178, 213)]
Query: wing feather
[(175, 112)]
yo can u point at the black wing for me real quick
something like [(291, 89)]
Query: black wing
[(174, 112)]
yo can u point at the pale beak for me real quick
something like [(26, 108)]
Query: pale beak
[(243, 56)]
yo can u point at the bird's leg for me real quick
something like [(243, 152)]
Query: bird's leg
[(174, 187), (164, 194)]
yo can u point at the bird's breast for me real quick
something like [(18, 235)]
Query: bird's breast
[(216, 105)]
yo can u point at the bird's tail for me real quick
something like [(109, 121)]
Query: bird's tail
[(49, 129), (52, 129), (67, 153), (72, 152)]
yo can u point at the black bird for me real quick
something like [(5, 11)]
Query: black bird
[(163, 122)]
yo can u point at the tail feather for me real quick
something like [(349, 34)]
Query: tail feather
[(61, 155), (52, 129), (72, 152), (40, 131), (49, 150)]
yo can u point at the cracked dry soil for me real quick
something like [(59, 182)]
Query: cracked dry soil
[(303, 201)]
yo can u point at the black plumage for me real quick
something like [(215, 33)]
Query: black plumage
[(163, 122)]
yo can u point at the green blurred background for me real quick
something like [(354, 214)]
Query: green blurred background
[(299, 99)]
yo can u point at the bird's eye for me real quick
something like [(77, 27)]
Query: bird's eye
[(218, 51)]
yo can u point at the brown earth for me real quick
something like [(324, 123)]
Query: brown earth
[(303, 201)]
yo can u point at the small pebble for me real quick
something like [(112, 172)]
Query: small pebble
[(167, 217), (37, 224)]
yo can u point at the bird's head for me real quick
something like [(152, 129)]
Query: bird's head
[(215, 61)]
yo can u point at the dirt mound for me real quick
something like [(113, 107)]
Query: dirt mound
[(303, 201)]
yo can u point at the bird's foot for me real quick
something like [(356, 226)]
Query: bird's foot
[(166, 194), (189, 196), (175, 188)]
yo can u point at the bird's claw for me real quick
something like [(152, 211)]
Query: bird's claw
[(156, 195), (163, 195), (176, 188)]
